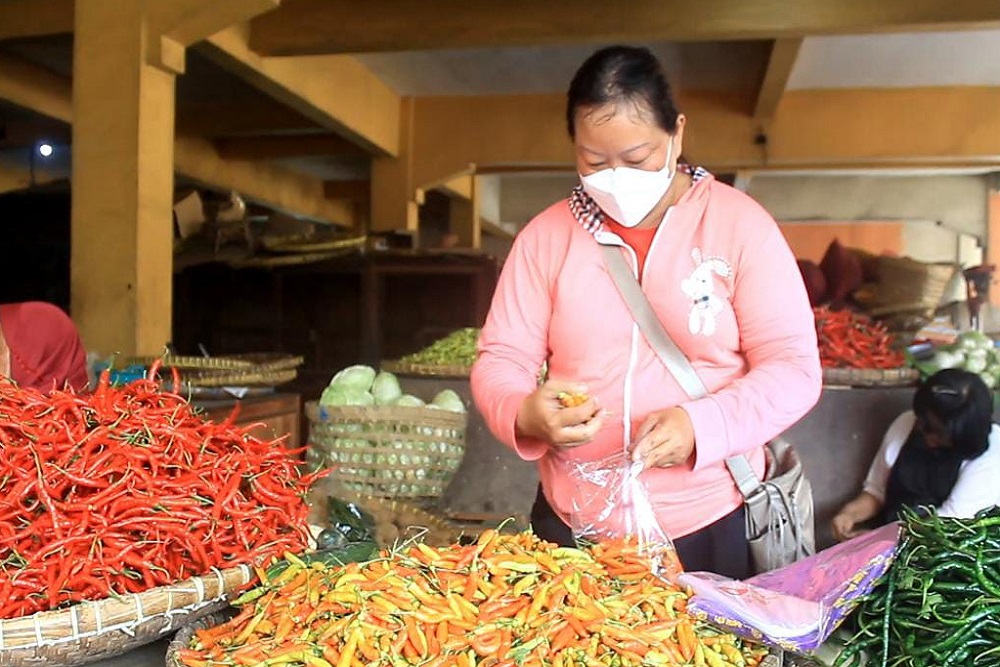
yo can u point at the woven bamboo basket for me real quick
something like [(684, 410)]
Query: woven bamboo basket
[(409, 520), (870, 377), (433, 370), (184, 636), (92, 631), (387, 451), (905, 286)]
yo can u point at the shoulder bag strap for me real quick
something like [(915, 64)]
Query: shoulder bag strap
[(672, 357)]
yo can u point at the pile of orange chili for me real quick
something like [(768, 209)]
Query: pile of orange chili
[(504, 601), (126, 489)]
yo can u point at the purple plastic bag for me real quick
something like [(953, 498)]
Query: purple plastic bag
[(797, 607)]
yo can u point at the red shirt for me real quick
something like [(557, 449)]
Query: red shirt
[(638, 239)]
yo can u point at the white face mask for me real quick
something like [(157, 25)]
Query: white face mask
[(627, 194)]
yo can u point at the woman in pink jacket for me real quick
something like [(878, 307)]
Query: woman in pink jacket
[(723, 281)]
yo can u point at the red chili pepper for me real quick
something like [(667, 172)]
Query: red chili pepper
[(128, 488)]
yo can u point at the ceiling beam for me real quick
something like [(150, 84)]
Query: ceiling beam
[(227, 119), (24, 133), (174, 25), (313, 27), (35, 18), (196, 158), (279, 187), (354, 190), (812, 129), (35, 88), (336, 92), (282, 147), (784, 53)]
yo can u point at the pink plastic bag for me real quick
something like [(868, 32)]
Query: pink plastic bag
[(799, 606)]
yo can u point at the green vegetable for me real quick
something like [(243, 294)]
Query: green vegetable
[(385, 389), (352, 553), (447, 399), (939, 603), (354, 377), (335, 395), (409, 401), (456, 349)]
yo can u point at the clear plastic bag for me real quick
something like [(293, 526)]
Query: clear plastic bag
[(610, 501)]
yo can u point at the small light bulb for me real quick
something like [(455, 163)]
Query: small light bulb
[(45, 150)]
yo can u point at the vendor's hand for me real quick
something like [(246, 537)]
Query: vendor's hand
[(844, 527), (664, 439), (543, 417)]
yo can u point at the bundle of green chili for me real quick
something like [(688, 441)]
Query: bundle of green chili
[(939, 604), (127, 489)]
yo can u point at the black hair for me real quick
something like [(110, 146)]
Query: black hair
[(617, 74), (963, 403)]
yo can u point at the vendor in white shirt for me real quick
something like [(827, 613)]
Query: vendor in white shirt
[(944, 453)]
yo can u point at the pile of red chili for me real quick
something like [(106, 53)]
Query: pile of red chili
[(852, 340), (127, 489)]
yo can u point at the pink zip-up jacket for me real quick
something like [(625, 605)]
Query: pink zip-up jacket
[(726, 287)]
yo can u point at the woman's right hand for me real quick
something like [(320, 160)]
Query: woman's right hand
[(543, 417), (843, 527)]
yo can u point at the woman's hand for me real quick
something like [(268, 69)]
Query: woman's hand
[(543, 417), (844, 527), (845, 524), (665, 439)]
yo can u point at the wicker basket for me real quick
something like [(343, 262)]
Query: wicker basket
[(92, 631), (870, 377), (433, 370), (184, 636), (387, 451), (409, 520), (905, 286)]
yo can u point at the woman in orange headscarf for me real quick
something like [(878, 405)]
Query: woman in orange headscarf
[(40, 347)]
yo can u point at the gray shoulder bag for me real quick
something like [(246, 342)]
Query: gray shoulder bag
[(779, 509)]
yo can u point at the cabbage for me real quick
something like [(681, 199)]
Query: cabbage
[(945, 359), (975, 364), (409, 401), (354, 377), (447, 399), (385, 389), (335, 395), (990, 379), (970, 340)]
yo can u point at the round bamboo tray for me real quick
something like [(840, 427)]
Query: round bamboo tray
[(91, 631), (240, 378), (189, 363), (870, 377), (270, 361), (431, 370), (303, 244)]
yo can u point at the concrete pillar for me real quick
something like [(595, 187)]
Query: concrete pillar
[(123, 180)]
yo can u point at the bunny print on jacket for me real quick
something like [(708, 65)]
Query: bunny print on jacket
[(700, 288)]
